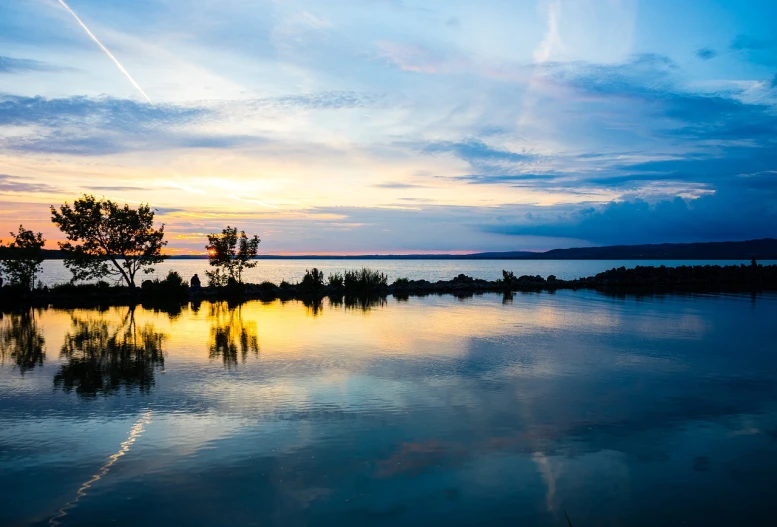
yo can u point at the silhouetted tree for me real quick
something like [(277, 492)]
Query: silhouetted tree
[(21, 341), (230, 254), (111, 241), (23, 258), (103, 356)]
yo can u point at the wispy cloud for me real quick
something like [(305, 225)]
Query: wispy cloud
[(17, 65), (706, 53)]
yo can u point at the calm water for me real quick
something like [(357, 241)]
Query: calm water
[(54, 272), (483, 411)]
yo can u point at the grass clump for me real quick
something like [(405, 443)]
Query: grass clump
[(364, 281)]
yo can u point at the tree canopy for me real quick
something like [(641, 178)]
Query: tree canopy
[(108, 240), (230, 254), (23, 258)]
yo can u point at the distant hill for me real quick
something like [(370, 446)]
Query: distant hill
[(764, 249)]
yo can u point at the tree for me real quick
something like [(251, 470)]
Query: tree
[(112, 241), (24, 258), (230, 254)]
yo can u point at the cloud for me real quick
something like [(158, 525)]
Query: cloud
[(24, 185), (745, 42), (732, 213), (662, 107), (104, 125), (398, 185), (417, 58), (326, 100), (483, 158), (706, 53), (15, 65), (105, 112)]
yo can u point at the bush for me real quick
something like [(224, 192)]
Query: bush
[(364, 281), (402, 281), (267, 286), (285, 285), (171, 288), (312, 281), (336, 280)]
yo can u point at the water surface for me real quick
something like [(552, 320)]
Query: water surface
[(54, 271), (658, 410)]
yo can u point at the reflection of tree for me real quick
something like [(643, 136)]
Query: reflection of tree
[(364, 303), (228, 333), (314, 306), (21, 341), (103, 356)]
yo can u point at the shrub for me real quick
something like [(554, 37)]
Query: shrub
[(170, 288), (336, 280), (285, 285), (402, 281), (267, 286), (312, 281), (364, 281)]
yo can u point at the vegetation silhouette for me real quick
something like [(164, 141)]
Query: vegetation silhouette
[(23, 259), (312, 282), (364, 281), (106, 240), (229, 334), (21, 340), (104, 356), (230, 254), (166, 294)]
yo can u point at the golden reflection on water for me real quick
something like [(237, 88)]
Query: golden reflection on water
[(135, 432), (21, 340), (228, 331), (217, 331), (102, 354)]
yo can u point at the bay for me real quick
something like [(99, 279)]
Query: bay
[(488, 410)]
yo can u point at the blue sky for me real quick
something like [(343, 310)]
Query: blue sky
[(396, 126)]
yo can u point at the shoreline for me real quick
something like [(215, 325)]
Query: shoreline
[(640, 280)]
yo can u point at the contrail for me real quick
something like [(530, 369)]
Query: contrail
[(106, 50)]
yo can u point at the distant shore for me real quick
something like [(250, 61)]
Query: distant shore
[(638, 280), (764, 249)]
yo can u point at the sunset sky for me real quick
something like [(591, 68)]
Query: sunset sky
[(392, 126)]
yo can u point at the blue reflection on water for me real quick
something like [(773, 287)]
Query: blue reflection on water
[(620, 411)]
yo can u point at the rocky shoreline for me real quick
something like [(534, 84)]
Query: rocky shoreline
[(638, 280)]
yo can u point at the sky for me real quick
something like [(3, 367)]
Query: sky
[(394, 126)]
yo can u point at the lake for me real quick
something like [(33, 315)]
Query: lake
[(292, 270), (488, 410)]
